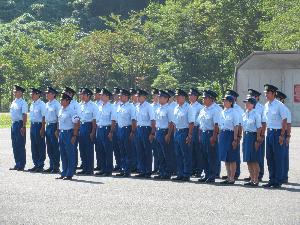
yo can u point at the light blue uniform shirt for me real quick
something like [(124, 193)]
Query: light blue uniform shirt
[(67, 117), (99, 102), (239, 111), (17, 108), (88, 111), (144, 114), (163, 115), (274, 113), (172, 106), (259, 108), (52, 109), (37, 111), (75, 105), (251, 121), (183, 115), (196, 107), (229, 118), (125, 114), (288, 114), (106, 113), (208, 117), (155, 106)]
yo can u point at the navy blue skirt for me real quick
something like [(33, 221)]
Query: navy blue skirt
[(227, 153), (249, 152)]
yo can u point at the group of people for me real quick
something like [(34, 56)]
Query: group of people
[(174, 137)]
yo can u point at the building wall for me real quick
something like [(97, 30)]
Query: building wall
[(284, 79)]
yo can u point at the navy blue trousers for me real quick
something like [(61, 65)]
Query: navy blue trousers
[(116, 149), (67, 153), (155, 154), (164, 153), (275, 154), (105, 151), (197, 157), (210, 155), (86, 147), (286, 163), (144, 149), (261, 159), (183, 153), (38, 146), (52, 146), (125, 146), (18, 144)]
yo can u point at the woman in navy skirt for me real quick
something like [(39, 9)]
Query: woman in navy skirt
[(228, 140), (251, 140)]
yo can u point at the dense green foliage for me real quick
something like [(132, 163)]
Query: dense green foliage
[(137, 43)]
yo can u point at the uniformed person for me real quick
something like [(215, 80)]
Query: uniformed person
[(281, 97), (197, 159), (228, 138), (87, 131), (183, 119), (136, 164), (68, 125), (259, 108), (98, 102), (76, 106), (155, 105), (51, 118), (37, 130), (18, 113), (275, 119), (126, 119), (106, 123), (208, 120), (164, 127), (116, 149), (251, 140), (145, 133)]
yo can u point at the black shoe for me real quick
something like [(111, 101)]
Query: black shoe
[(89, 173), (147, 176), (107, 174), (224, 177), (248, 183), (39, 170), (154, 172), (254, 184), (127, 175), (97, 169), (224, 182), (32, 169), (116, 168), (67, 178), (231, 182), (285, 181), (20, 169), (203, 180), (268, 185), (247, 179), (186, 179), (177, 178), (276, 186), (141, 175), (79, 167), (81, 172), (59, 178), (157, 177), (47, 170), (100, 173), (120, 174), (165, 178), (210, 180), (260, 179), (55, 171), (13, 168), (236, 177)]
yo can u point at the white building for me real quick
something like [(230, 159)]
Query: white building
[(279, 68)]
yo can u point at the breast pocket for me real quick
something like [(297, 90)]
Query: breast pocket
[(273, 115), (106, 116)]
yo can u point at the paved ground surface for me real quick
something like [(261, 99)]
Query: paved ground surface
[(35, 198)]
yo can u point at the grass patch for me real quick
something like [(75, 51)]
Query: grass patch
[(5, 120)]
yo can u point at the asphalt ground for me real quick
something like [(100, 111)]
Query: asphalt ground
[(36, 198)]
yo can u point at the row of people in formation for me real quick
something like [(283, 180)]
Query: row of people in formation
[(183, 139)]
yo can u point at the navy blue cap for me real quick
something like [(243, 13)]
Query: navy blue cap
[(51, 90), (70, 90), (210, 94), (124, 92), (141, 93), (86, 91), (171, 93), (154, 91), (254, 93), (232, 93), (66, 96), (194, 91), (106, 92), (97, 90), (163, 93), (280, 95), (229, 98), (180, 92), (36, 91), (116, 91), (132, 91), (250, 100), (19, 88), (269, 87)]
